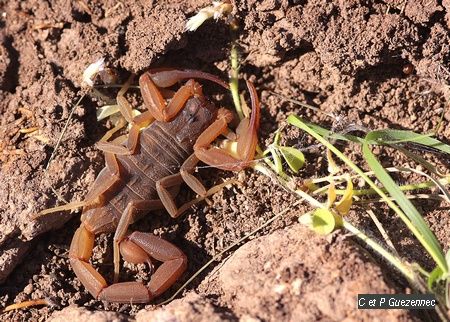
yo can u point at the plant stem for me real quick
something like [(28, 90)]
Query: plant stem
[(392, 259), (234, 80)]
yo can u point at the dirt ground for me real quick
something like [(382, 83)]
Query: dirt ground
[(377, 64)]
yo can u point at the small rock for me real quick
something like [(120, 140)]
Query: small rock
[(28, 289), (79, 314), (192, 307)]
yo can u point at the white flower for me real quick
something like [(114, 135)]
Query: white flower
[(217, 10), (92, 70)]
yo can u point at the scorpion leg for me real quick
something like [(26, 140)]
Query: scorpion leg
[(185, 175), (127, 218), (187, 170), (120, 124), (166, 197), (247, 139), (118, 149), (137, 123), (124, 108), (106, 179)]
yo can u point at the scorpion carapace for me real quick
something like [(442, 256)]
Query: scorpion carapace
[(145, 172), (192, 121)]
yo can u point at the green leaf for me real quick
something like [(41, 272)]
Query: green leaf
[(435, 275), (324, 221), (107, 110), (294, 158)]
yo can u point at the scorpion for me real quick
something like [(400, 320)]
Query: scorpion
[(144, 173)]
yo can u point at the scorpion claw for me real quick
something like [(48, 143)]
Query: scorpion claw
[(247, 139)]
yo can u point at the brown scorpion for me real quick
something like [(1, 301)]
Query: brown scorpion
[(162, 149)]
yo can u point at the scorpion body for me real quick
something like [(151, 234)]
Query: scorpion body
[(145, 173), (163, 148)]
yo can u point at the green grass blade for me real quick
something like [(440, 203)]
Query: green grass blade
[(234, 80), (331, 135), (433, 248), (427, 165), (418, 225), (389, 136), (276, 160)]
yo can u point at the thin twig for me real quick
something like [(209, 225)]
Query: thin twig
[(58, 143)]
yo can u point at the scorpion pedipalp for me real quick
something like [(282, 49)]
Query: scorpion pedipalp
[(246, 139)]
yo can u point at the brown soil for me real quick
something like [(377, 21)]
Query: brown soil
[(377, 64)]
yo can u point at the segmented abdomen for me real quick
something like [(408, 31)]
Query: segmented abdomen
[(158, 155)]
